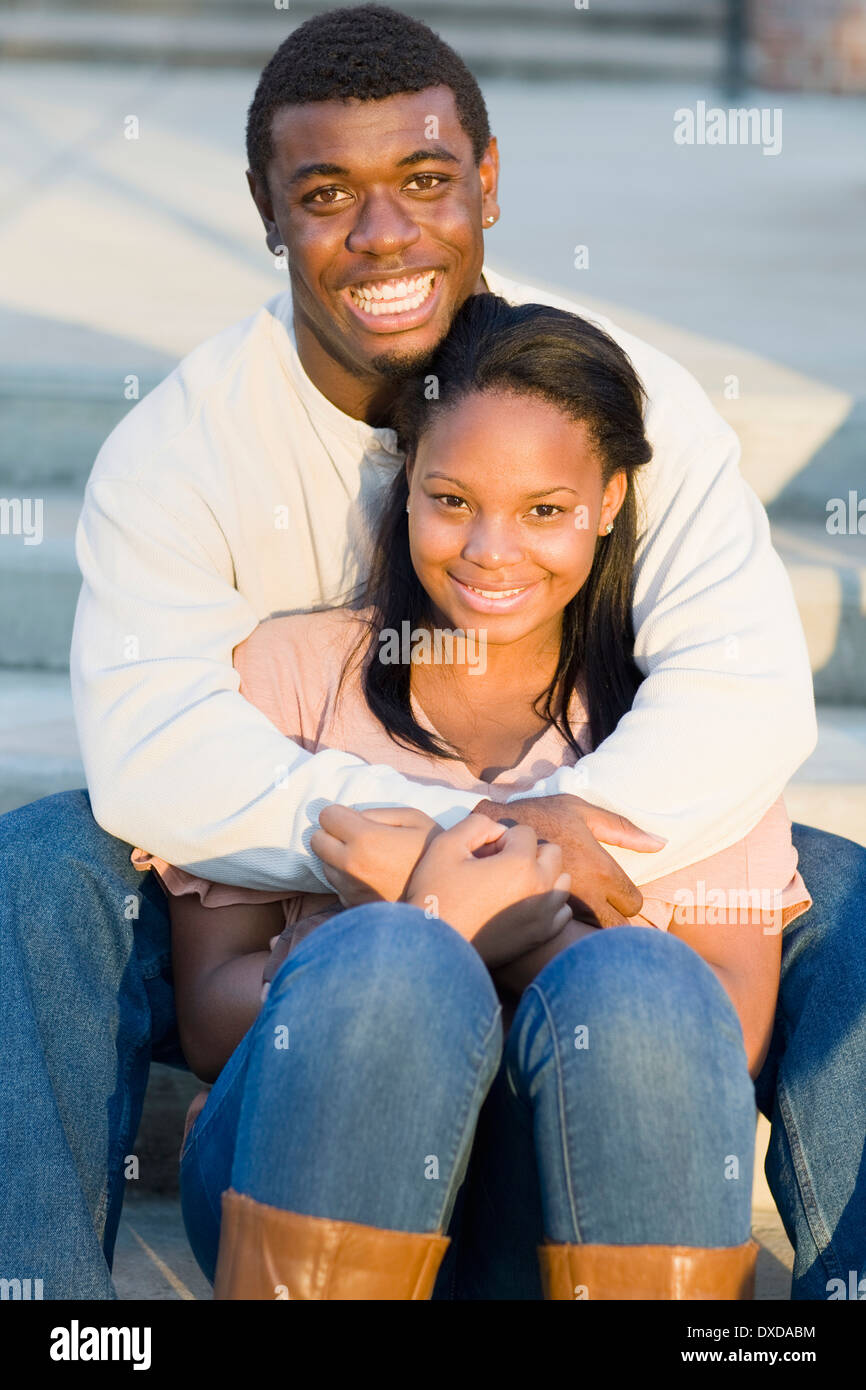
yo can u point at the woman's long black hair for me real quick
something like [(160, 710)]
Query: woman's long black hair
[(535, 350)]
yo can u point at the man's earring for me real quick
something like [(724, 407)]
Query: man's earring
[(608, 528)]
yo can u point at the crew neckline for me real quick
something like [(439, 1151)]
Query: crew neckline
[(381, 440)]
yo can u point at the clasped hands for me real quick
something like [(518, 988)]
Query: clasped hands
[(518, 891)]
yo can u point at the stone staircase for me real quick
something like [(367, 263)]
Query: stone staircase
[(153, 264), (534, 38)]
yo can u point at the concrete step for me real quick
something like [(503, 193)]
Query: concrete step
[(153, 1261), (55, 419), (492, 39), (39, 585), (39, 581)]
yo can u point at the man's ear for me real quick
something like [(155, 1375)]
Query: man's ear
[(488, 173), (261, 196)]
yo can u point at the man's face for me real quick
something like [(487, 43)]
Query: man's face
[(381, 206)]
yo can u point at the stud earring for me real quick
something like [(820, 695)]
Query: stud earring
[(489, 220), (407, 506), (608, 528)]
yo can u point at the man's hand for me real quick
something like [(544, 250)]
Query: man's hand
[(600, 891), (370, 855)]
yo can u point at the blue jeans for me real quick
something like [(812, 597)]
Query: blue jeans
[(624, 1114), (86, 1002)]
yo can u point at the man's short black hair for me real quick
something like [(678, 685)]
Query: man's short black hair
[(368, 52)]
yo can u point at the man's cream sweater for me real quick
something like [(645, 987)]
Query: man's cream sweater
[(235, 491)]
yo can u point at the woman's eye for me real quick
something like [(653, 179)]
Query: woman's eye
[(546, 509), (449, 500)]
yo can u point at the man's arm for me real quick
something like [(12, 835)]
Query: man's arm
[(726, 711), (177, 761)]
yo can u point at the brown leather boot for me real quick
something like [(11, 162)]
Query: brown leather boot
[(267, 1253), (659, 1272)]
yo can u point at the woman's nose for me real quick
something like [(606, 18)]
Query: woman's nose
[(382, 228), (492, 545)]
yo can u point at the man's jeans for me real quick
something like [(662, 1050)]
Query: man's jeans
[(621, 1112), (85, 984)]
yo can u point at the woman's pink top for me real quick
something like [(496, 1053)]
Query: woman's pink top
[(290, 669)]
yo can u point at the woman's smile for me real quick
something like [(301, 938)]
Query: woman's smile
[(493, 600)]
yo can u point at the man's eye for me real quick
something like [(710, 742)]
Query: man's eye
[(327, 197), (427, 182)]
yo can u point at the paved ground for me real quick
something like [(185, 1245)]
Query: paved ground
[(154, 1261)]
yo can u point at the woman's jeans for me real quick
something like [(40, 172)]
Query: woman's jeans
[(86, 1002), (622, 1111)]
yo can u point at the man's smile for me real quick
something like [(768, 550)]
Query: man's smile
[(390, 303)]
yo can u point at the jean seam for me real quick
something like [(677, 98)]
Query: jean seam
[(468, 1106), (452, 1284), (208, 1112), (560, 1100), (811, 1209), (114, 1169), (192, 1160)]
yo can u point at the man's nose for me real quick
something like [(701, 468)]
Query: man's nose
[(383, 228)]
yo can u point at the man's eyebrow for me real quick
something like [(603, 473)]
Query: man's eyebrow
[(437, 152), (336, 171), (306, 171)]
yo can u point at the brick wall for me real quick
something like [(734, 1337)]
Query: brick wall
[(811, 45)]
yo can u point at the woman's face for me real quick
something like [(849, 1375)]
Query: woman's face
[(506, 501)]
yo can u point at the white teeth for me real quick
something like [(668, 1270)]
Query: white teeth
[(392, 296), (493, 593)]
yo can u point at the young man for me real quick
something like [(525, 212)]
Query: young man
[(245, 486)]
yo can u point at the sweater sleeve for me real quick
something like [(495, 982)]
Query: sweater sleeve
[(725, 713), (175, 758)]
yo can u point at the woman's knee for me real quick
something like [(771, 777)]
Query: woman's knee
[(393, 963), (630, 990)]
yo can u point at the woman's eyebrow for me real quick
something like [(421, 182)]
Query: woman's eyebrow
[(548, 492)]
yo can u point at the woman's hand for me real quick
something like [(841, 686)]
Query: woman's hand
[(507, 901), (370, 855)]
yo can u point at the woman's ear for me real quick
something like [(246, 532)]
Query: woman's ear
[(612, 500)]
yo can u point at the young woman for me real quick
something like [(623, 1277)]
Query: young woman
[(376, 1108)]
